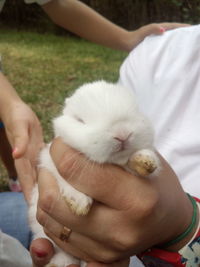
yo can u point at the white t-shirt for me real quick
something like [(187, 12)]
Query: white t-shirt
[(164, 72), (40, 2)]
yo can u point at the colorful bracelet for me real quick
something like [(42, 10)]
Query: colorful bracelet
[(188, 256), (189, 229)]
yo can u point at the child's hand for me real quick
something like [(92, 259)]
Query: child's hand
[(25, 136), (137, 36), (42, 251)]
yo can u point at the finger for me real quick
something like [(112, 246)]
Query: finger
[(68, 247), (19, 140), (98, 181), (114, 231), (41, 252), (51, 202), (170, 26), (83, 247), (26, 176), (159, 28)]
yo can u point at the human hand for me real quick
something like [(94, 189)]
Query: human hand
[(130, 213), (41, 251), (25, 136), (137, 36)]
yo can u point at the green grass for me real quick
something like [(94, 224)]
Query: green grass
[(45, 68)]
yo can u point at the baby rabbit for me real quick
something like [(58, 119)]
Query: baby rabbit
[(102, 121)]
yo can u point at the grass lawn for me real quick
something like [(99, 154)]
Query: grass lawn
[(44, 68)]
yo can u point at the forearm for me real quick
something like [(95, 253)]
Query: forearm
[(8, 96), (85, 22)]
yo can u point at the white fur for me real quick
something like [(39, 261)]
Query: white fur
[(94, 118)]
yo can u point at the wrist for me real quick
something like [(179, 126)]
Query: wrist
[(189, 232), (128, 40), (187, 255), (8, 97), (7, 106)]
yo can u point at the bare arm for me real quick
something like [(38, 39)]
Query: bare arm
[(8, 95), (85, 22)]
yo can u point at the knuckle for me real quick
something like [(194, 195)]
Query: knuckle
[(40, 216), (148, 205), (152, 203), (68, 166), (122, 242), (128, 239), (108, 256), (63, 167), (47, 233), (47, 200)]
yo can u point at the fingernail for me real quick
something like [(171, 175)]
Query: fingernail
[(40, 254), (14, 150), (162, 29)]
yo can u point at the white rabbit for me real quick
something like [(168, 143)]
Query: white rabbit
[(102, 121)]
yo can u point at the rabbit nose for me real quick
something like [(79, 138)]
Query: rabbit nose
[(122, 139)]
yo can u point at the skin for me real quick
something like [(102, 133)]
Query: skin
[(117, 221), (65, 14), (23, 132)]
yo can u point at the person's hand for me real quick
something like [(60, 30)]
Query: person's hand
[(97, 29), (137, 36), (25, 136), (130, 213), (42, 250)]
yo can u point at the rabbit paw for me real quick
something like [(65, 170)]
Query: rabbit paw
[(144, 162), (79, 203)]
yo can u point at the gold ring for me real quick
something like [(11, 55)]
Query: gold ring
[(64, 235)]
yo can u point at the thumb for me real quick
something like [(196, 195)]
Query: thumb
[(151, 29), (159, 28), (19, 140), (41, 251)]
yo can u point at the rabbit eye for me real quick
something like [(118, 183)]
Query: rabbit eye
[(79, 119)]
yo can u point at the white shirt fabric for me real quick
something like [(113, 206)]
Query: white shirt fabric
[(164, 72), (40, 2), (12, 253)]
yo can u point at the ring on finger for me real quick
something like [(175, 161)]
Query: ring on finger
[(65, 234)]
